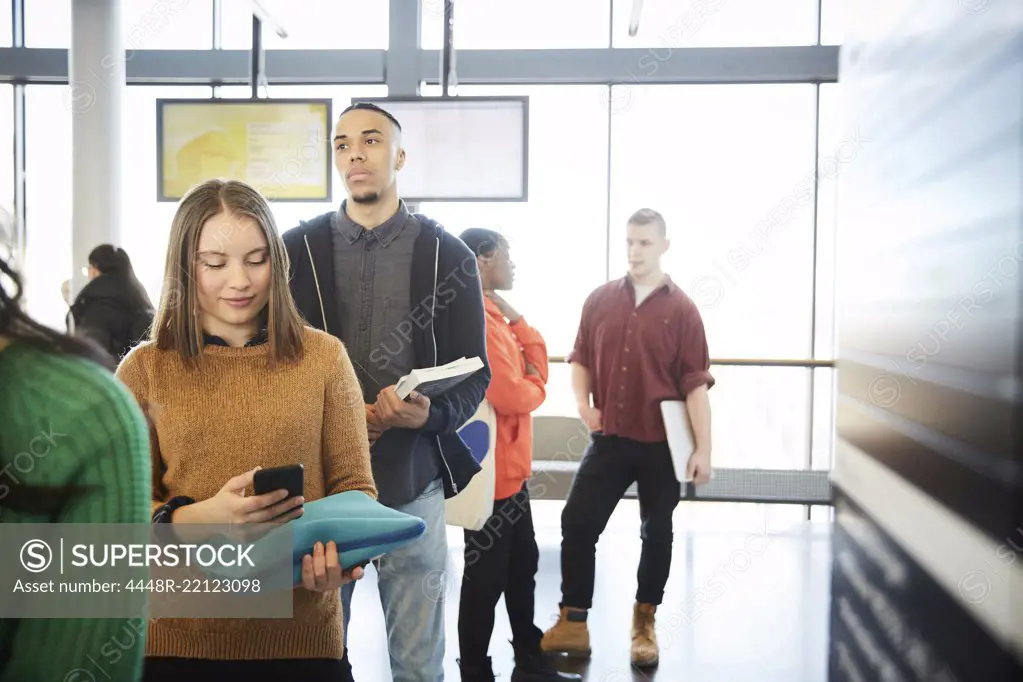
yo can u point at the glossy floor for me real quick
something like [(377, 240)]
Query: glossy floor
[(747, 598)]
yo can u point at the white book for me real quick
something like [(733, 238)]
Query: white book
[(433, 381), (681, 441)]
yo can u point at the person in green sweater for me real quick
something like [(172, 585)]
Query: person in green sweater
[(60, 402)]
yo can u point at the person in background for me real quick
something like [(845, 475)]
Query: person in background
[(73, 449), (503, 558), (113, 308), (65, 293), (233, 381), (641, 341), (401, 293)]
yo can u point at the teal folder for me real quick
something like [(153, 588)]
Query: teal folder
[(362, 528)]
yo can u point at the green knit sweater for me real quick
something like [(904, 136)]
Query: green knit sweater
[(44, 396)]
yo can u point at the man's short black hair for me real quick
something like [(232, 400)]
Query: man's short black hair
[(648, 216), (481, 241), (369, 106)]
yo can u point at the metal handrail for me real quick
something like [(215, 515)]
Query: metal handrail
[(747, 362)]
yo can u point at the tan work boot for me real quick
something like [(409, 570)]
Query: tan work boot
[(569, 635), (644, 640)]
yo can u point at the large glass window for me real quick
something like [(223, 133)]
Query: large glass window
[(6, 32), (289, 213), (48, 23), (558, 237), (731, 169), (832, 21), (7, 139), (47, 201), (167, 25), (145, 222), (519, 25), (837, 148), (771, 404), (145, 24), (7, 231), (310, 24), (823, 418), (668, 24)]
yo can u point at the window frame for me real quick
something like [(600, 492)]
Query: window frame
[(490, 70)]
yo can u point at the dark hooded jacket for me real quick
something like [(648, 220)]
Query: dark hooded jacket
[(112, 313), (449, 324)]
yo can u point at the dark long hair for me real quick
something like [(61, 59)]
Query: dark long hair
[(113, 261), (17, 326)]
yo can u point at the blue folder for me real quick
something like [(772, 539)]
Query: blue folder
[(476, 434), (361, 527)]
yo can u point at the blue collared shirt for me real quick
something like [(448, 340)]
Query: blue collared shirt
[(373, 280), (373, 271)]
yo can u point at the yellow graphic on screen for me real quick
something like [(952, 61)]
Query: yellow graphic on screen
[(280, 148)]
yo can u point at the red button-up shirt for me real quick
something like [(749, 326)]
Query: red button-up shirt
[(640, 356)]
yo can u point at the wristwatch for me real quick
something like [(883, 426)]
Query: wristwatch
[(166, 511)]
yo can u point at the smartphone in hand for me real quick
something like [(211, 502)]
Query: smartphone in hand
[(290, 477)]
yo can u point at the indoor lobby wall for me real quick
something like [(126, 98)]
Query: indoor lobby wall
[(927, 581)]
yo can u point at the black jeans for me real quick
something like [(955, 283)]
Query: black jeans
[(608, 467), (168, 669), (501, 557)]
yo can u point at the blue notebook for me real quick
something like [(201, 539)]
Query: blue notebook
[(361, 527)]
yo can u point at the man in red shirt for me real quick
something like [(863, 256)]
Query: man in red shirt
[(503, 557), (641, 341)]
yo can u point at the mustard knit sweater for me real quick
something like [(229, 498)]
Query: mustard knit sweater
[(229, 416)]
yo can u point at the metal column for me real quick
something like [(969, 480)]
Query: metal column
[(96, 66)]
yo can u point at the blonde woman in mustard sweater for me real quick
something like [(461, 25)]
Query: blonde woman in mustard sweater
[(231, 381)]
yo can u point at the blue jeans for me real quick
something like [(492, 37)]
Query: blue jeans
[(412, 580)]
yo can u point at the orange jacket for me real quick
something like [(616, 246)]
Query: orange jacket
[(513, 395)]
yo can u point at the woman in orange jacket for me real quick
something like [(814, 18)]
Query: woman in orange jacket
[(502, 557)]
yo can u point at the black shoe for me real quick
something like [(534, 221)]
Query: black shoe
[(480, 671), (535, 667)]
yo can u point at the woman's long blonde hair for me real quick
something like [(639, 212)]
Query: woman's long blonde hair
[(176, 325)]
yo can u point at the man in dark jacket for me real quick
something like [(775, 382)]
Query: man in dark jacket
[(401, 293)]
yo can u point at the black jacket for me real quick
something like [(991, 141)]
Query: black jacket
[(447, 308), (109, 312)]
